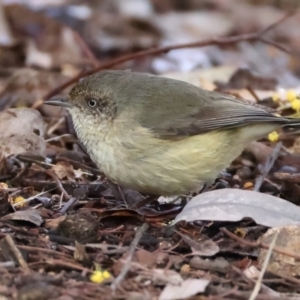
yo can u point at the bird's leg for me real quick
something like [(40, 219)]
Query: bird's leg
[(117, 192), (205, 188), (145, 201), (215, 186), (209, 186), (220, 185), (129, 197)]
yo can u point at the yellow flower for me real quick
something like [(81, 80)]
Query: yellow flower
[(296, 105), (18, 202), (273, 136), (99, 276), (291, 96)]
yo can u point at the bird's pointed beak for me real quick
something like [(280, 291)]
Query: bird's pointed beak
[(59, 101)]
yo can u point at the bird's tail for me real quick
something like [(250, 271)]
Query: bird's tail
[(291, 124)]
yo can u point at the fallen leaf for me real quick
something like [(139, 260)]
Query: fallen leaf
[(235, 204), (22, 130), (220, 264), (289, 239), (28, 215), (203, 248), (53, 223), (42, 49), (167, 276), (186, 289), (244, 78), (146, 258), (64, 170), (81, 255), (25, 87)]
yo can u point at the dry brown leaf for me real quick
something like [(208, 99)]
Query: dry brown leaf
[(146, 258), (22, 130), (64, 170), (53, 223)]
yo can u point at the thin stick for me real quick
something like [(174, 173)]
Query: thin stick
[(127, 261), (59, 184), (86, 50), (268, 166), (68, 205), (44, 250), (61, 263), (275, 45), (275, 24), (263, 269), (16, 252)]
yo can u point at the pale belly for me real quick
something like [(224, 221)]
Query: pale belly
[(170, 167), (173, 168)]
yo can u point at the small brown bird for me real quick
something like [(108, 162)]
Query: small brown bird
[(162, 136)]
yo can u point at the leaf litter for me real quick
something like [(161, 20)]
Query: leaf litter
[(67, 233)]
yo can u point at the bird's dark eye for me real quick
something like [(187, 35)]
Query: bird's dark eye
[(92, 103)]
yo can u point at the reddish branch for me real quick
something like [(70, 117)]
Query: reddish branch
[(250, 37)]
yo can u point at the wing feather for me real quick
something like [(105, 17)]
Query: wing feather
[(203, 116), (173, 109)]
